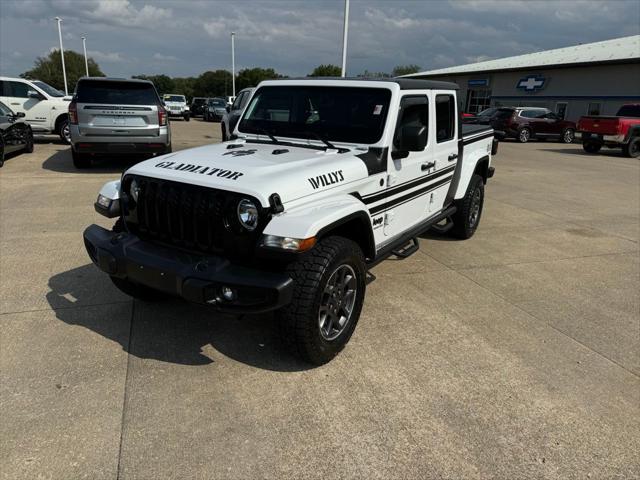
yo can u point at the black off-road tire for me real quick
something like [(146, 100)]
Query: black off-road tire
[(28, 148), (632, 148), (135, 290), (1, 152), (223, 129), (590, 146), (299, 321), (186, 118), (469, 210), (524, 135), (80, 160)]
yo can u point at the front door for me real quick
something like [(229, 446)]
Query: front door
[(407, 204)]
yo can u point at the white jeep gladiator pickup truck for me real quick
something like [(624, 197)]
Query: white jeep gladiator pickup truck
[(322, 180)]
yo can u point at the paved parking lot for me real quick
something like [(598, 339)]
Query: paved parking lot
[(511, 355)]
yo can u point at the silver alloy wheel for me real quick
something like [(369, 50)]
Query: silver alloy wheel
[(568, 135), (474, 212), (524, 135), (337, 302), (66, 133)]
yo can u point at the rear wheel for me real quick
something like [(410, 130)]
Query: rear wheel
[(135, 290), (469, 210), (524, 135), (327, 300), (632, 149), (590, 146), (80, 160), (568, 135)]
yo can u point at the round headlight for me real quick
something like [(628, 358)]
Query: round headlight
[(134, 190), (248, 214)]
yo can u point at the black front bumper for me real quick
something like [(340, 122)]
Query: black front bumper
[(195, 278)]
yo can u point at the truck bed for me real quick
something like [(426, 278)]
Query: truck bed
[(469, 130)]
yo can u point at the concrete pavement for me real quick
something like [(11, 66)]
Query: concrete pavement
[(511, 355)]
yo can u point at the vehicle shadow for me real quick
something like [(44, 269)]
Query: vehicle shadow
[(172, 330), (62, 162), (579, 151)]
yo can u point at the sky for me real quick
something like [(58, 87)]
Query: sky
[(187, 37)]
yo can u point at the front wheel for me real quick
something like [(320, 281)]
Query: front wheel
[(224, 132), (469, 210), (64, 132), (186, 118), (632, 149), (568, 135), (329, 289), (1, 152), (524, 135), (28, 146)]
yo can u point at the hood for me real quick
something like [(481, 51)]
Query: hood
[(258, 169)]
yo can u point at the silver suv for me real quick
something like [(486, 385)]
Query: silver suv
[(115, 115)]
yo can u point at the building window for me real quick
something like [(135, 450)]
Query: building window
[(478, 99), (594, 109)]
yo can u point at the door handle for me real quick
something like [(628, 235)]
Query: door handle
[(427, 166), (453, 156)]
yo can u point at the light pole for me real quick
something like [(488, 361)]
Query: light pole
[(345, 33), (86, 62), (233, 63), (64, 71)]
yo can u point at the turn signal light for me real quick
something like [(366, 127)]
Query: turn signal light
[(73, 113), (162, 116)]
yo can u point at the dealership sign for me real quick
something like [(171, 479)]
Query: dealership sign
[(479, 82), (532, 83)]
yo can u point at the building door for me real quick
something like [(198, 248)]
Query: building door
[(561, 110)]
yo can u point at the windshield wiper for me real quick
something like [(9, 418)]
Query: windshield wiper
[(268, 134), (317, 136)]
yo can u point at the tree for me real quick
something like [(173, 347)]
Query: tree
[(326, 71), (251, 77), (405, 70), (184, 86), (49, 69), (213, 84), (368, 74), (163, 83)]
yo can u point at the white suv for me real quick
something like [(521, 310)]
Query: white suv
[(45, 108)]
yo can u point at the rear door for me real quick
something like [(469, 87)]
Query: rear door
[(445, 149), (125, 109)]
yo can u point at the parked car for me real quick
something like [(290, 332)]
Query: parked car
[(230, 119), (214, 109), (197, 106), (291, 218), (619, 131), (525, 123), (45, 108), (176, 106), (114, 115), (15, 133)]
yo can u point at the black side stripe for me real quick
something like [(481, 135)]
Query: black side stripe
[(410, 196), (407, 185), (476, 139)]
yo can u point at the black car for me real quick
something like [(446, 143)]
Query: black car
[(15, 134), (230, 119), (197, 106)]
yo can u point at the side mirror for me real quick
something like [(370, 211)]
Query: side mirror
[(412, 138), (19, 115), (33, 94)]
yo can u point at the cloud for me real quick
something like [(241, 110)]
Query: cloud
[(164, 58), (111, 57)]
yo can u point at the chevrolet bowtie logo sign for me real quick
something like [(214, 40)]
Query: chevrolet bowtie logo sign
[(532, 83)]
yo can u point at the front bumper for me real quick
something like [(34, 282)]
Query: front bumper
[(196, 278)]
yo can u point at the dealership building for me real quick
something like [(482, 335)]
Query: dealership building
[(594, 78)]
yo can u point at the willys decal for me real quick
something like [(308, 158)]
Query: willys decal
[(187, 167), (326, 179)]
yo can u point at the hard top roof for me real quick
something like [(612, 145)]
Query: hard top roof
[(404, 83)]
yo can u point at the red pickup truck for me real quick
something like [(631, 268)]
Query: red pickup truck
[(621, 131)]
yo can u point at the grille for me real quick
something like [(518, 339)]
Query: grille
[(187, 216)]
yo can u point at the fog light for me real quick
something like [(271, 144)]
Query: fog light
[(228, 294)]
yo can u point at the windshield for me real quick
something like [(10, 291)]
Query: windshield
[(487, 112), (198, 101), (48, 89), (340, 114), (218, 102), (174, 98), (629, 111)]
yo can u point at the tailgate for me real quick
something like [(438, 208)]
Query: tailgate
[(599, 125), (120, 120)]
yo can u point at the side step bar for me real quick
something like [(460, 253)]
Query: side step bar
[(441, 229), (411, 247)]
